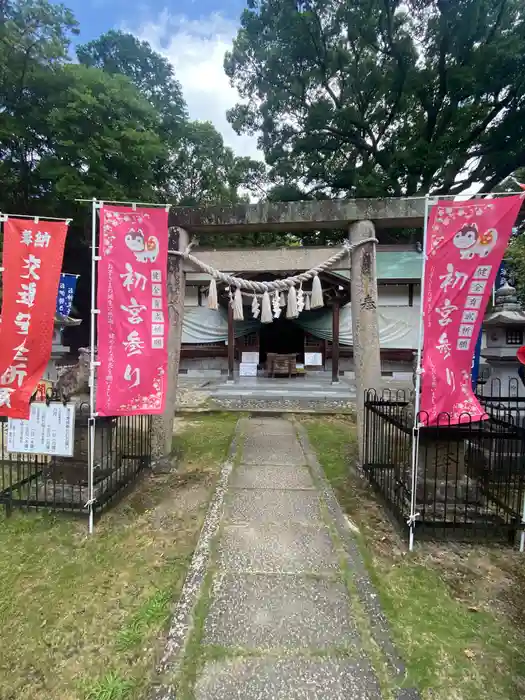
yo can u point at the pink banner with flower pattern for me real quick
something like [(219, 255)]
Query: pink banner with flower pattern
[(133, 311), (465, 245)]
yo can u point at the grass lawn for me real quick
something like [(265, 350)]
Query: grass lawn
[(455, 610), (82, 618)]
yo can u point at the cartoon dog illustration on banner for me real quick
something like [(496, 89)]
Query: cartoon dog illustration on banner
[(145, 250), (470, 242)]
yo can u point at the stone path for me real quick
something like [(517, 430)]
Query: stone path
[(288, 611)]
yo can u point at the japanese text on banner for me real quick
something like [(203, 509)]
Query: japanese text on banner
[(133, 319), (465, 245), (32, 259), (66, 293)]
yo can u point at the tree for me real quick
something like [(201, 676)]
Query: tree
[(34, 40), (205, 171), (119, 53), (66, 130), (105, 140), (198, 169), (383, 97)]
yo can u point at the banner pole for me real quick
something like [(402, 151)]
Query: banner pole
[(522, 534), (36, 219), (92, 332), (415, 428)]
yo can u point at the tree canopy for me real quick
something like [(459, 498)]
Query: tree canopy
[(114, 125), (118, 53), (383, 97)]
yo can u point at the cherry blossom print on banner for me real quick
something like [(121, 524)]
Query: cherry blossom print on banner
[(465, 245), (32, 260), (133, 319)]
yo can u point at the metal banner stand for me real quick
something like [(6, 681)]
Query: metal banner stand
[(96, 205), (411, 522), (92, 364)]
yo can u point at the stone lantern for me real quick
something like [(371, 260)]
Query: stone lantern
[(504, 328), (58, 350)]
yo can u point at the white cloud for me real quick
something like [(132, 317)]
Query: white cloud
[(196, 50)]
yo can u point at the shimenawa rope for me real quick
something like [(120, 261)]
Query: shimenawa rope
[(264, 288)]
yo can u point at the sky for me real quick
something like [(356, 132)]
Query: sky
[(194, 35)]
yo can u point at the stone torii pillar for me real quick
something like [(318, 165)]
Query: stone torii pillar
[(162, 428), (365, 329)]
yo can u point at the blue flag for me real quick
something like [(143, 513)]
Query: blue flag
[(475, 362), (500, 277), (498, 282), (66, 292)]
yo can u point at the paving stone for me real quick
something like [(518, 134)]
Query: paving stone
[(278, 594), (288, 679), (272, 476), (276, 449), (261, 612), (283, 548), (268, 426), (273, 506), (281, 435)]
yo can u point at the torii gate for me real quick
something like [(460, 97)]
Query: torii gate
[(359, 216)]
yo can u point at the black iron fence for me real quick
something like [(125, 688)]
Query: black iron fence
[(122, 451), (470, 477), (504, 397)]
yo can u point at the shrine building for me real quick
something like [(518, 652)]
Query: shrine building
[(319, 340)]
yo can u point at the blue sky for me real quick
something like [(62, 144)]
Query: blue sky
[(193, 35)]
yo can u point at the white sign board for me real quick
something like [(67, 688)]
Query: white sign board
[(247, 369), (250, 358), (49, 430), (313, 359)]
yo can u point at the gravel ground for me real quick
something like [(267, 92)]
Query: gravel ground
[(199, 397), (191, 397), (287, 405)]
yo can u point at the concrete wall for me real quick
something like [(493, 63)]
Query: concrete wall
[(218, 366), (389, 368), (203, 366)]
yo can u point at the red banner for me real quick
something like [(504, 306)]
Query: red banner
[(465, 245), (32, 260), (133, 303)]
